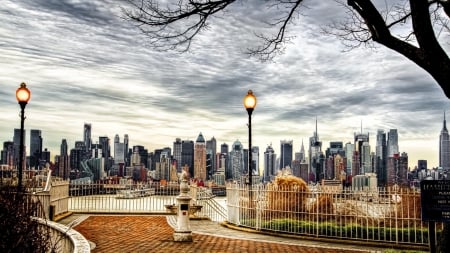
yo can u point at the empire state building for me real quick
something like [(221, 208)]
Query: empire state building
[(444, 147)]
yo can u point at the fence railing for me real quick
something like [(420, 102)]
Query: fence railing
[(389, 215), (115, 197), (121, 198)]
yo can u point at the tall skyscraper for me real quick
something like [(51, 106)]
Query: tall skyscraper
[(35, 148), (126, 149), (87, 139), (360, 138), (63, 161), (315, 157), (187, 155), (381, 157), (211, 148), (444, 147), (200, 158), (397, 170), (299, 160), (119, 151), (392, 143), (349, 150), (16, 140), (177, 153), (285, 154), (269, 164), (237, 165), (225, 154), (366, 160), (7, 155)]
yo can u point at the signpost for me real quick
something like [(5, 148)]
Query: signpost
[(435, 203)]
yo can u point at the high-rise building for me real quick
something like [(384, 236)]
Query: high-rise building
[(16, 140), (300, 165), (63, 160), (392, 143), (200, 158), (211, 148), (237, 165), (87, 139), (126, 149), (397, 170), (7, 155), (366, 159), (269, 164), (177, 153), (35, 148), (381, 158), (285, 154), (187, 155), (349, 150), (316, 158), (444, 147), (119, 151), (225, 153), (360, 138)]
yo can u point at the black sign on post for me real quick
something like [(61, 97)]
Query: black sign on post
[(435, 200)]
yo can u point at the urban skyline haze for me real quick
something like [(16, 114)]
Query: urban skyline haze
[(84, 63)]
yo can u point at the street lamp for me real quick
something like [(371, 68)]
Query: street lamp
[(23, 96), (250, 104)]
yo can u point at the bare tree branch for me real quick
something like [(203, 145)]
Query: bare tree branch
[(175, 25)]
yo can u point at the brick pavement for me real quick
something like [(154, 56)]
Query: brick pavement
[(154, 234)]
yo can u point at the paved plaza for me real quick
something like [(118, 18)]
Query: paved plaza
[(146, 233)]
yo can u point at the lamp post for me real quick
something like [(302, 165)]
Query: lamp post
[(250, 104), (23, 96)]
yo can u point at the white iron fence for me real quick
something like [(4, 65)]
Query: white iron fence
[(388, 215), (130, 197), (114, 197)]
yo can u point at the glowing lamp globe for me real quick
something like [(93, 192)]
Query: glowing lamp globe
[(250, 100), (23, 94)]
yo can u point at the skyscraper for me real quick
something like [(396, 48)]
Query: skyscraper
[(63, 161), (397, 170), (444, 147), (225, 154), (87, 139), (119, 151), (269, 164), (7, 155), (177, 153), (35, 147), (211, 148), (315, 157), (392, 143), (200, 158), (237, 165), (360, 138), (349, 150), (16, 140), (285, 154), (381, 157), (366, 161), (187, 155), (126, 150)]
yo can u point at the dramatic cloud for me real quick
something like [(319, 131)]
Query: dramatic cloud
[(84, 63)]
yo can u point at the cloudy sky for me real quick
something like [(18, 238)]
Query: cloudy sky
[(84, 63)]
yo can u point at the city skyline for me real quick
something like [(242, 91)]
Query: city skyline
[(83, 63)]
